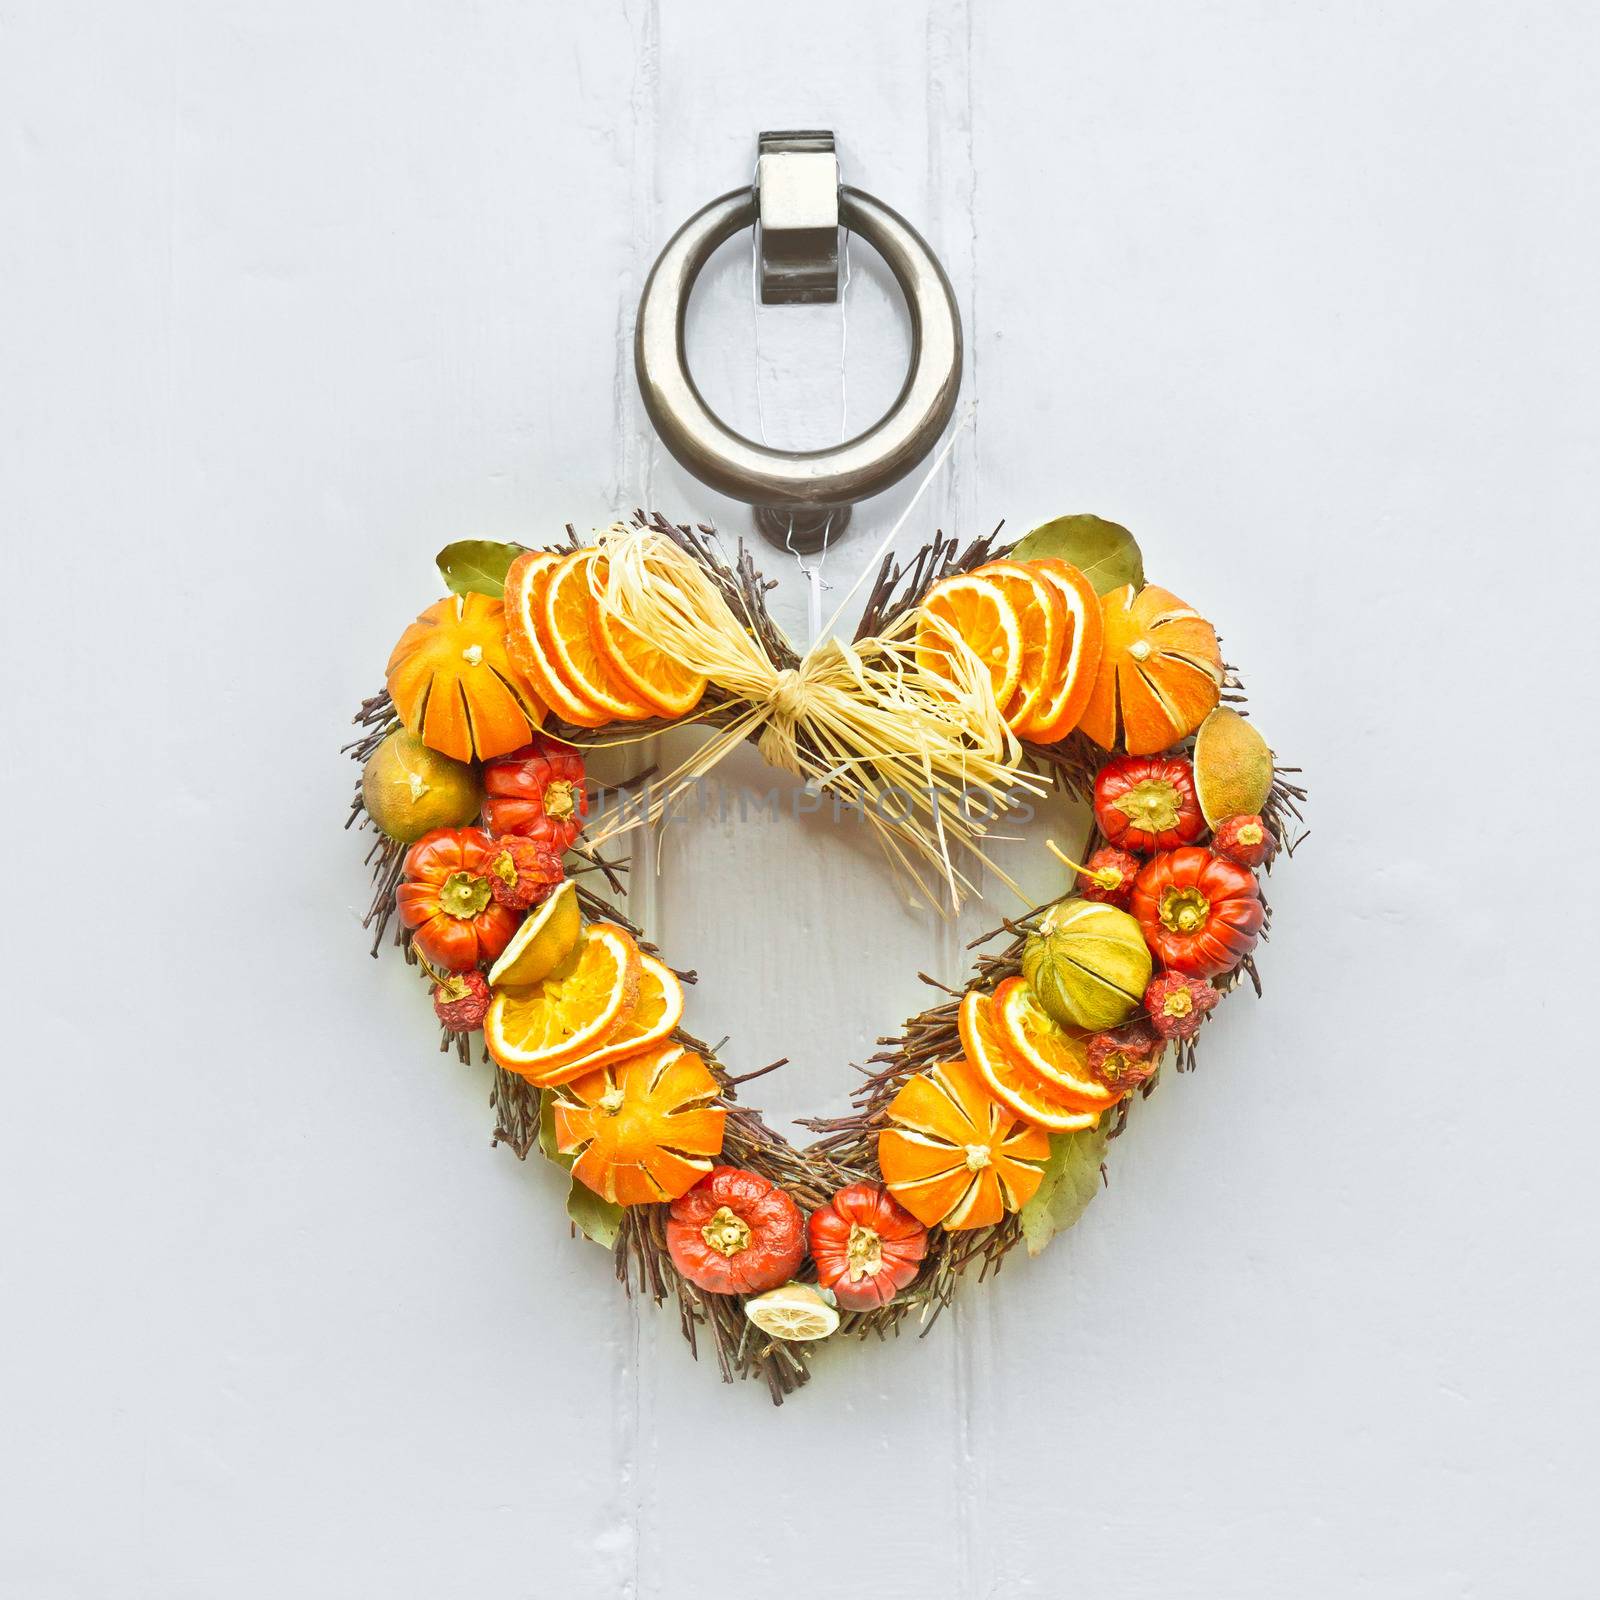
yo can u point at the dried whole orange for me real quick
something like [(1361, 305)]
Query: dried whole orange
[(953, 1155), (453, 683), (644, 1128), (1160, 672)]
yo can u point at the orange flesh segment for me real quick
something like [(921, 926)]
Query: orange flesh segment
[(569, 642), (666, 685), (525, 587), (586, 1000), (1059, 714), (1033, 1037), (657, 1011), (1041, 618), (1011, 1080), (975, 611)]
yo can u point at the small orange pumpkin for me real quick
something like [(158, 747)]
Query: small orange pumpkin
[(453, 684), (1160, 672), (954, 1155), (643, 1127)]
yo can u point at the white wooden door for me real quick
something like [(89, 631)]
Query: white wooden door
[(293, 294)]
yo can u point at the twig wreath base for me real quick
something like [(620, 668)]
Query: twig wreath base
[(844, 1150)]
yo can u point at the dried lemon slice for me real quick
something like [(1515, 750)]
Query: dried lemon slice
[(793, 1311), (541, 944)]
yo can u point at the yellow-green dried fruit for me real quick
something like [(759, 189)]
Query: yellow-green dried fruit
[(1232, 767), (409, 789), (1088, 964)]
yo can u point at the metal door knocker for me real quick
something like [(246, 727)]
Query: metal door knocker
[(801, 497)]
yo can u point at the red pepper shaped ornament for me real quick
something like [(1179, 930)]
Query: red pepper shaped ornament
[(1147, 803), (735, 1233), (1201, 915), (537, 792), (866, 1245), (448, 902)]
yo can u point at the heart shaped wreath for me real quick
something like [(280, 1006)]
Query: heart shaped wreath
[(974, 676)]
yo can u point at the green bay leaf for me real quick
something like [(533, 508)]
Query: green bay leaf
[(477, 566), (1104, 552), (597, 1219), (1071, 1181), (547, 1131)]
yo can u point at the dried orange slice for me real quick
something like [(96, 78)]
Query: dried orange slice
[(642, 1128), (657, 1011), (1041, 614), (668, 687), (976, 611), (1160, 672), (585, 1001), (1056, 714), (526, 581), (569, 642), (1010, 1080), (1032, 1037), (953, 1155), (454, 684)]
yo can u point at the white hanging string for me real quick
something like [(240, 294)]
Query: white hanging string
[(812, 574), (911, 505)]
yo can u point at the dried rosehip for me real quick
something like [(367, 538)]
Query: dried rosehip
[(1177, 1004), (866, 1245), (736, 1233), (1107, 876), (460, 1000), (1123, 1058), (1148, 803), (522, 872), (1242, 840), (538, 792)]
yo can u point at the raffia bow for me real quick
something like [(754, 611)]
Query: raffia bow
[(926, 760)]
